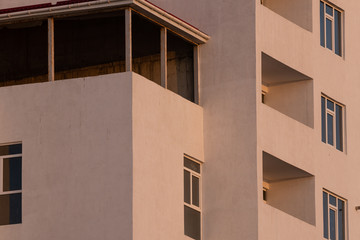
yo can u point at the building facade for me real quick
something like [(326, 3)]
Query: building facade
[(164, 119)]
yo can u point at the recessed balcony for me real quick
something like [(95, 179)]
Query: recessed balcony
[(289, 188), (298, 12), (287, 90)]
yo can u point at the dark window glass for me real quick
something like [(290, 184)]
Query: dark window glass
[(192, 223), (146, 48), (329, 10), (337, 22), (12, 174), (325, 215), (23, 51), (187, 187), (89, 45), (195, 191), (11, 149), (328, 33), (332, 200), (341, 214), (180, 66), (10, 209), (330, 105), (332, 225), (339, 135), (330, 128), (323, 120), (191, 165), (322, 33)]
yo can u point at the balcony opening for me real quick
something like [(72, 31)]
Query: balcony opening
[(287, 90), (289, 189), (78, 42), (89, 45), (23, 51), (298, 12), (146, 48), (180, 66)]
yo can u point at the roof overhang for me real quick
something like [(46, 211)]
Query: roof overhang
[(75, 7)]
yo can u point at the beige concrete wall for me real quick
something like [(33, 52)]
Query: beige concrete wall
[(301, 145), (77, 152), (228, 96), (165, 127)]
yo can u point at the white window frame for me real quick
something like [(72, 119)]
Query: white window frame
[(333, 113), (2, 192), (331, 18), (335, 209), (197, 175)]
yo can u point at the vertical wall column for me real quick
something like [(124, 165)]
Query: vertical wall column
[(128, 40), (51, 66), (197, 74), (163, 57)]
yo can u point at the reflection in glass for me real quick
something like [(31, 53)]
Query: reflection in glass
[(329, 10), (192, 223), (341, 214), (12, 174), (332, 200), (11, 149), (323, 120), (332, 225), (191, 165), (195, 191), (325, 215), (330, 105), (322, 34), (328, 33), (186, 186), (339, 135), (10, 209), (330, 128), (337, 22)]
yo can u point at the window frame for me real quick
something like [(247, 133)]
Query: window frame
[(326, 16), (335, 118), (197, 175), (10, 155), (336, 210), (2, 158)]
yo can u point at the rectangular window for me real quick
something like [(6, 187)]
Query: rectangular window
[(332, 122), (192, 198), (11, 183), (330, 27), (333, 216)]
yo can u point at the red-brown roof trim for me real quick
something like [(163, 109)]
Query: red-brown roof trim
[(39, 6)]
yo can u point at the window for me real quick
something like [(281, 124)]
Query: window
[(334, 216), (332, 122), (330, 27), (10, 182), (192, 198)]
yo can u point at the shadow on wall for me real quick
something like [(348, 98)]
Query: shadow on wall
[(298, 12), (291, 189), (287, 90)]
